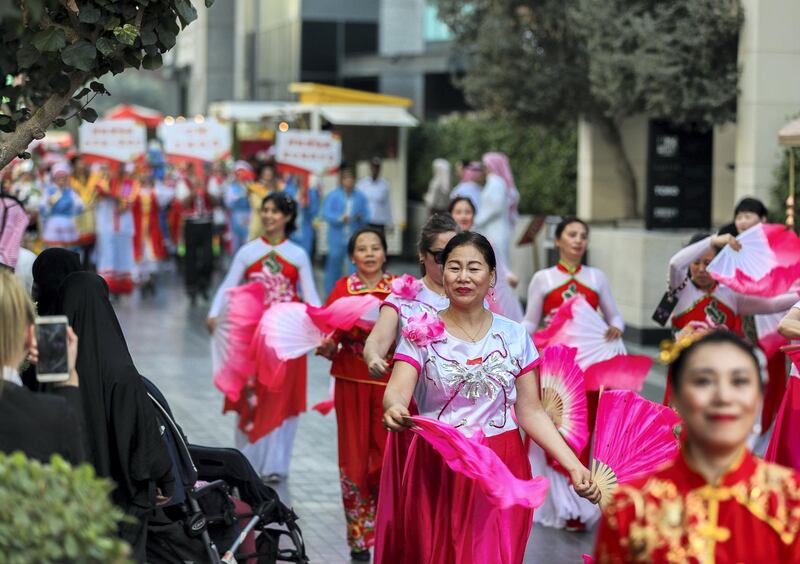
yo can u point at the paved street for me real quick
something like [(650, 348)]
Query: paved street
[(169, 343)]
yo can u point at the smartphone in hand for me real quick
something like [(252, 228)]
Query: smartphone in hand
[(51, 340)]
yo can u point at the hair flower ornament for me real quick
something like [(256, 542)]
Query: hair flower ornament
[(406, 286), (423, 329)]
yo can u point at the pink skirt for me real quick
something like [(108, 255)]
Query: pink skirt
[(429, 514)]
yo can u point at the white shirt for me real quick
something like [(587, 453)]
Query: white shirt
[(471, 386), (379, 201), (471, 190), (11, 375), (739, 304), (548, 279), (492, 220), (24, 269)]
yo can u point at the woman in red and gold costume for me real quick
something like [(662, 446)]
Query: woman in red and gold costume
[(715, 502), (358, 396), (148, 241)]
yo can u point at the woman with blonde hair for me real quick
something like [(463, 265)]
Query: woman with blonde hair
[(39, 425)]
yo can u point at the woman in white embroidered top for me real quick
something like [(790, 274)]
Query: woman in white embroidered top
[(470, 376)]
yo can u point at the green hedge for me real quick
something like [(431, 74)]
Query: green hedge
[(544, 161), (57, 513), (780, 188)]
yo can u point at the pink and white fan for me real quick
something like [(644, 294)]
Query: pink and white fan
[(230, 344), (768, 263), (604, 363), (769, 339), (294, 329), (577, 324)]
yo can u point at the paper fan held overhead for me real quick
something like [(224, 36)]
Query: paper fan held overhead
[(563, 394), (633, 438), (767, 264)]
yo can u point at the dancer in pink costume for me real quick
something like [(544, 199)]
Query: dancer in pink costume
[(409, 297), (467, 367)]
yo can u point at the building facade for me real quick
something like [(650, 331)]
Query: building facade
[(254, 49)]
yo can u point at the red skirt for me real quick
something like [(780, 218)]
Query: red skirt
[(441, 516), (262, 410)]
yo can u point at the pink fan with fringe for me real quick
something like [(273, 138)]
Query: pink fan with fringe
[(289, 330), (767, 264), (577, 324), (236, 324), (633, 438), (563, 395), (783, 446), (344, 313), (621, 372), (294, 329), (469, 457)]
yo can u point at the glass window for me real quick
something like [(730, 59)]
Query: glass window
[(435, 29)]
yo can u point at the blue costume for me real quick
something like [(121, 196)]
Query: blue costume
[(304, 235), (236, 199), (337, 204), (59, 208)]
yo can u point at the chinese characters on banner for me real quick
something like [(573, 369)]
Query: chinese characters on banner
[(207, 141), (316, 153), (121, 140)]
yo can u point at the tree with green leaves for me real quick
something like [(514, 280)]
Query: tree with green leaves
[(551, 62), (55, 51)]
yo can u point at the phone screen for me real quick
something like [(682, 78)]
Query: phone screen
[(52, 343)]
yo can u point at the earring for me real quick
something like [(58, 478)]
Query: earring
[(491, 294)]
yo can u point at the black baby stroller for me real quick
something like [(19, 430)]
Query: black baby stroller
[(219, 502)]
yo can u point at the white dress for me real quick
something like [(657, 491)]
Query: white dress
[(271, 453), (492, 220)]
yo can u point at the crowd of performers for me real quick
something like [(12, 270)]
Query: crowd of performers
[(125, 219), (455, 346)]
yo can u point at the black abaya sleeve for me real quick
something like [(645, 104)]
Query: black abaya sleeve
[(78, 441), (141, 450)]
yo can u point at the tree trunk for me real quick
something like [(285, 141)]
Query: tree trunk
[(610, 131), (12, 144)]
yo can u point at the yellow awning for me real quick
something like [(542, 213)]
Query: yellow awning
[(312, 93)]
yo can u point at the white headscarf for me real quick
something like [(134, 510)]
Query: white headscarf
[(439, 187)]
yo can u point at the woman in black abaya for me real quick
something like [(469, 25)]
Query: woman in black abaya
[(124, 440), (49, 270)]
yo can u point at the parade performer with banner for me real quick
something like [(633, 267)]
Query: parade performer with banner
[(268, 409), (358, 397), (148, 241), (60, 207), (83, 183), (115, 229), (236, 197)]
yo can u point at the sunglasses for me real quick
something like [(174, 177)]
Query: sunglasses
[(438, 256)]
